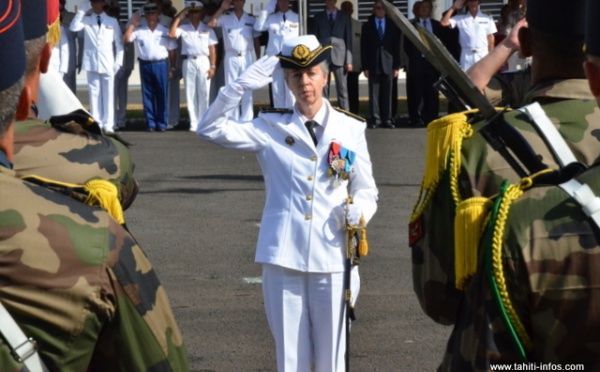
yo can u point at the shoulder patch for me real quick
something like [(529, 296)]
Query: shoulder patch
[(272, 110), (348, 113)]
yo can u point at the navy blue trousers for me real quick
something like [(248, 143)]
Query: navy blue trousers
[(154, 92)]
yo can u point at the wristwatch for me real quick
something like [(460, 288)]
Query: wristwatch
[(213, 67)]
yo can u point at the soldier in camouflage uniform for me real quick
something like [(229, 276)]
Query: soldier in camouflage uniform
[(73, 279), (555, 39), (69, 149), (535, 296)]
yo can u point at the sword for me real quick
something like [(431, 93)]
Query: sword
[(456, 85)]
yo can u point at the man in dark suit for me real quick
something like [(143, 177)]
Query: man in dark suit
[(333, 27), (352, 77), (422, 96), (380, 48)]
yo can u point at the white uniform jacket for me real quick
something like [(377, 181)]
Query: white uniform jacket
[(303, 223), (98, 54), (279, 30)]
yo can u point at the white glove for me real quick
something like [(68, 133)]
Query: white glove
[(353, 214), (271, 6), (84, 6), (258, 74)]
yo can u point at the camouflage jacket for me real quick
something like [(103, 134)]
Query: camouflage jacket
[(537, 276), (45, 151), (79, 284), (570, 106)]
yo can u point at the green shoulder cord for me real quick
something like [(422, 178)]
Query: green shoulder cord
[(494, 269)]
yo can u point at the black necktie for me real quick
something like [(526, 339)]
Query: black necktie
[(310, 125), (283, 17), (99, 21), (425, 23), (331, 20)]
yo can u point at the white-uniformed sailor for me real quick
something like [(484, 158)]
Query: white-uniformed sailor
[(198, 53), (476, 31), (241, 46), (101, 33), (302, 240), (281, 25)]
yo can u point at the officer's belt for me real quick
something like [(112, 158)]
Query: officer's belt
[(235, 52), (152, 60), (474, 50), (191, 57)]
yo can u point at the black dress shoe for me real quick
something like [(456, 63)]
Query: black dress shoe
[(389, 125), (162, 129), (150, 130)]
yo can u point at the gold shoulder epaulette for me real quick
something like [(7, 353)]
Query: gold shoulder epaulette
[(274, 110), (359, 118)]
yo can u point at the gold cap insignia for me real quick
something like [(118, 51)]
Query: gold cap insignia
[(301, 52)]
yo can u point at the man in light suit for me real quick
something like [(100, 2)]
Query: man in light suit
[(302, 241), (333, 27), (102, 33)]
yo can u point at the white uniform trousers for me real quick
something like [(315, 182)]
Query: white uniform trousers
[(234, 66), (306, 314), (196, 88), (102, 99), (469, 57), (282, 96)]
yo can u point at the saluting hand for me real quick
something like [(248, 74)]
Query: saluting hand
[(458, 4), (258, 74), (84, 6)]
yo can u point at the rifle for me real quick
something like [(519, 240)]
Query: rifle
[(457, 87)]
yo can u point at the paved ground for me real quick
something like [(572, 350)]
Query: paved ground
[(197, 217)]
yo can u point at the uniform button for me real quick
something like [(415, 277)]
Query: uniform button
[(310, 178), (314, 158), (308, 217), (309, 197)]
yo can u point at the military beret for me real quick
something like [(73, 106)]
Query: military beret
[(303, 52), (592, 28), (41, 17), (35, 18), (556, 16), (12, 52)]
